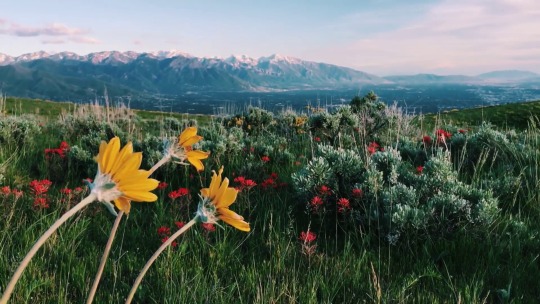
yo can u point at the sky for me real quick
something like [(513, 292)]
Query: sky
[(382, 37)]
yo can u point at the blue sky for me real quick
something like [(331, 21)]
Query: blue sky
[(382, 37)]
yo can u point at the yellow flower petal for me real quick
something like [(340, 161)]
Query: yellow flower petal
[(187, 134), (196, 163), (126, 151), (110, 154), (141, 196), (121, 167), (205, 192), (238, 224), (227, 198), (123, 204), (190, 141), (198, 154)]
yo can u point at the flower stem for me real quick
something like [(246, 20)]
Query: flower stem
[(154, 257), (104, 258), (160, 163), (9, 289)]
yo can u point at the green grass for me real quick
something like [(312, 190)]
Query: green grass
[(507, 116), (499, 264), (51, 110)]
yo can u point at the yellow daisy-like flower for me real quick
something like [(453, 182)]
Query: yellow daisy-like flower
[(119, 178), (217, 199), (182, 150)]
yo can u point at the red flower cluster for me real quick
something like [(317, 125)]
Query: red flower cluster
[(307, 237), (209, 227), (427, 140), (343, 205), (40, 187), (442, 135), (244, 183), (39, 190), (357, 192), (265, 159), (162, 185), (272, 181), (60, 151), (419, 170), (373, 147), (164, 232), (316, 203), (317, 139), (179, 224), (325, 190), (178, 193), (5, 191)]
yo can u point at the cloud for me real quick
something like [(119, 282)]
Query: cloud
[(85, 40), (454, 36), (73, 34), (54, 29), (53, 41)]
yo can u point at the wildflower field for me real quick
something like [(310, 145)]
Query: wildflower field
[(362, 204)]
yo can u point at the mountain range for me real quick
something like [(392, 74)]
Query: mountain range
[(69, 76)]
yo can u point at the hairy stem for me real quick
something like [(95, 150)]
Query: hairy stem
[(9, 289), (104, 258)]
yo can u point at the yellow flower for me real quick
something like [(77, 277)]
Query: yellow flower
[(119, 178), (217, 198), (186, 140)]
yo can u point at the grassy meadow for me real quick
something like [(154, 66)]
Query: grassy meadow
[(362, 205)]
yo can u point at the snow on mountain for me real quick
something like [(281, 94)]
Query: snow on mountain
[(6, 59), (241, 60), (277, 58), (32, 56), (168, 54)]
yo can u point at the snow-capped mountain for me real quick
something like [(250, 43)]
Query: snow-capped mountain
[(67, 75)]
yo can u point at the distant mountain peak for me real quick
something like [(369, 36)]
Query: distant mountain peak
[(280, 58)]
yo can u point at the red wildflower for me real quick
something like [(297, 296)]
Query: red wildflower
[(373, 148), (64, 146), (426, 139), (60, 151), (5, 190), (269, 182), (164, 230), (265, 159), (162, 185), (307, 237), (66, 191), (209, 227), (41, 203), (419, 170), (179, 224), (244, 183), (166, 238), (40, 187), (343, 204), (442, 135), (78, 190), (462, 131), (357, 192), (325, 190), (16, 193), (316, 202), (317, 139), (178, 193)]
